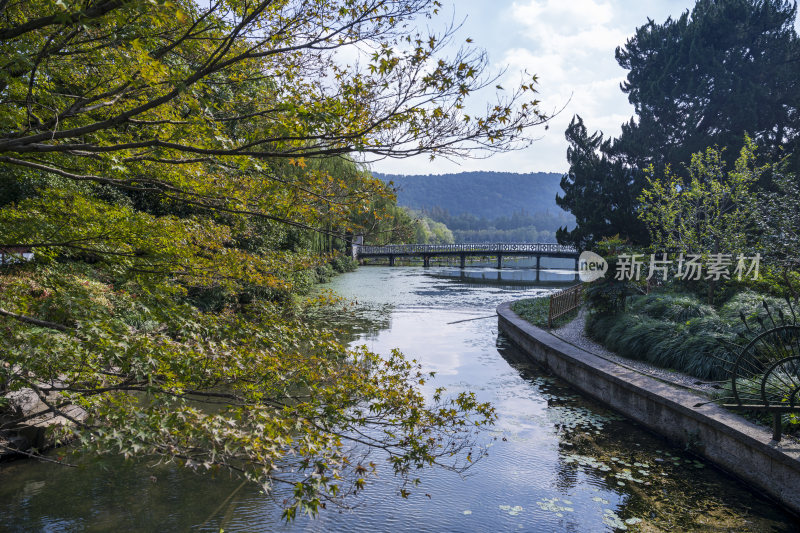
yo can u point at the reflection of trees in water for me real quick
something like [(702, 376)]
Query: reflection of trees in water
[(505, 280), (354, 319), (118, 495), (365, 325)]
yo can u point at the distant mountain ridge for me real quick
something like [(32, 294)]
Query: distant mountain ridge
[(482, 194)]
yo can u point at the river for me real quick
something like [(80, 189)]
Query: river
[(556, 461)]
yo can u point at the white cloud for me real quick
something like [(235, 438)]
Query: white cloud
[(570, 45), (555, 24), (555, 13)]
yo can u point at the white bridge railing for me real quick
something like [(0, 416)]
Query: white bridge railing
[(490, 248)]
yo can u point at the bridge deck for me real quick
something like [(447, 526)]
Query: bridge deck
[(543, 249)]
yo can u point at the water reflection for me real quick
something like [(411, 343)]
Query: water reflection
[(633, 475), (556, 462), (509, 278)]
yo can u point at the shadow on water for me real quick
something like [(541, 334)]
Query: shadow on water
[(500, 278)]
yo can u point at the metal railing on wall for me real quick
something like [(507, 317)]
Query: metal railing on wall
[(564, 302)]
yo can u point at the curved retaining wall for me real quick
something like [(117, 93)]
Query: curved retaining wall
[(728, 440)]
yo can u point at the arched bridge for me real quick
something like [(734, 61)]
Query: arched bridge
[(426, 251)]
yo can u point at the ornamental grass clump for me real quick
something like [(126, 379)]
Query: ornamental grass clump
[(675, 307), (678, 331)]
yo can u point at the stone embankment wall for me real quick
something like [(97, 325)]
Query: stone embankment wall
[(736, 445), (25, 420)]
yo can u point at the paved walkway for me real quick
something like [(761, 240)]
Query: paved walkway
[(573, 333)]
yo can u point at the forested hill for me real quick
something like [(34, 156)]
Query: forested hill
[(482, 194)]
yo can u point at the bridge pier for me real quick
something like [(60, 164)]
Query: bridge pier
[(463, 261), (499, 261), (426, 260), (538, 265), (391, 260), (577, 265)]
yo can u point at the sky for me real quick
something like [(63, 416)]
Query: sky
[(569, 45)]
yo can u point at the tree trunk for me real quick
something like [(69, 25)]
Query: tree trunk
[(712, 283)]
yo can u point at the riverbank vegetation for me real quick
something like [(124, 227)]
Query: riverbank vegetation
[(537, 312), (678, 331), (182, 173), (723, 86), (695, 204), (730, 265), (700, 313)]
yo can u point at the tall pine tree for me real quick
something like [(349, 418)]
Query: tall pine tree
[(728, 68), (725, 69), (599, 190)]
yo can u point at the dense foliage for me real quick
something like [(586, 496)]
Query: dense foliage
[(607, 295), (429, 231), (777, 215), (709, 213), (537, 312), (175, 167), (599, 190), (677, 331), (720, 71), (657, 316)]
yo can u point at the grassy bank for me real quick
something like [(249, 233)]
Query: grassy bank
[(536, 311)]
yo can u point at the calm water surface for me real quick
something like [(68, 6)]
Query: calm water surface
[(557, 462)]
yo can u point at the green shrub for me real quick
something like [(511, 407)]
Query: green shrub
[(324, 273), (707, 355), (607, 295), (751, 305), (343, 263), (634, 336), (678, 331), (675, 307)]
